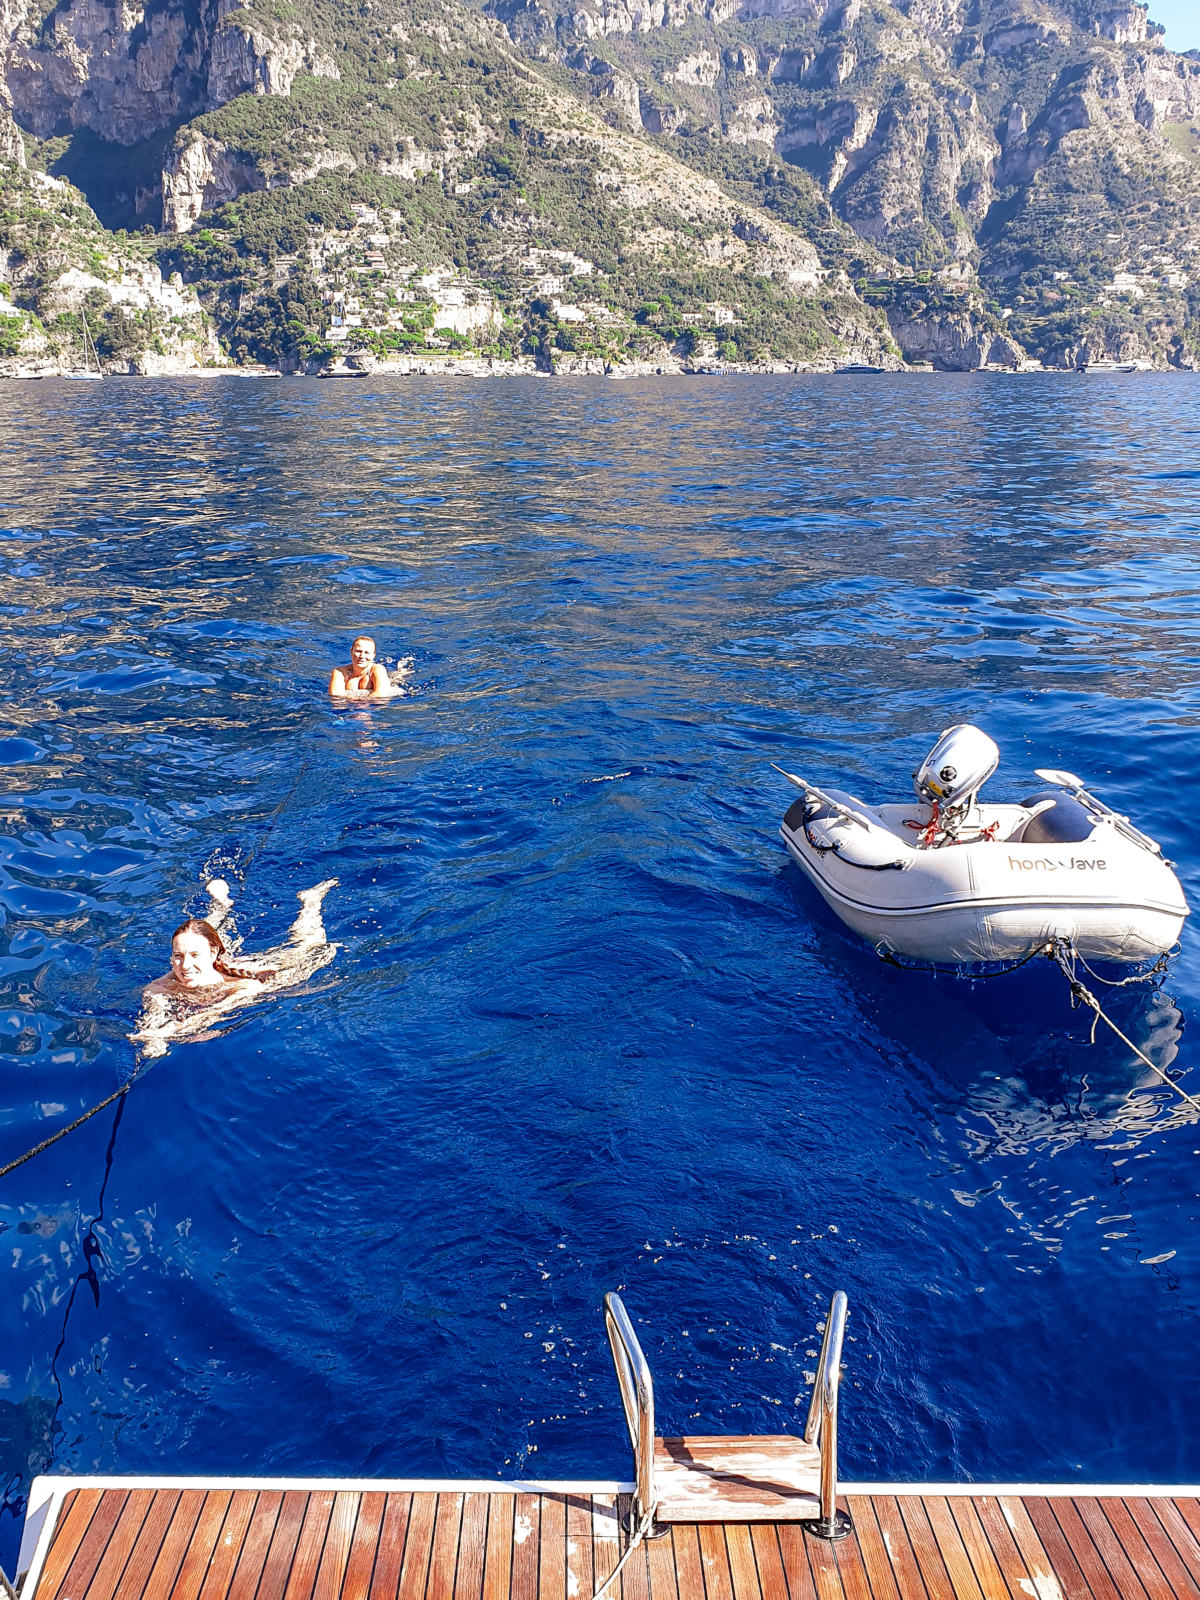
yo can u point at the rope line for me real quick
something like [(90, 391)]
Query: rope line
[(642, 1530), (1064, 954), (1067, 958), (234, 861), (1148, 976), (273, 819), (78, 1123), (945, 970)]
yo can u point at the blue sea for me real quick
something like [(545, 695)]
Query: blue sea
[(586, 1029)]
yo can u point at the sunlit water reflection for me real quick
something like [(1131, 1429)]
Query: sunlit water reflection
[(587, 1027)]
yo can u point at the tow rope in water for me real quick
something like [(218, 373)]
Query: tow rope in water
[(78, 1123), (1064, 954), (1067, 958), (944, 969)]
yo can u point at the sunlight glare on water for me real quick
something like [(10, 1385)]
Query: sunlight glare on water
[(586, 1027)]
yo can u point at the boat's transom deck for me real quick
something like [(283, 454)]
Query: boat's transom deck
[(478, 1542)]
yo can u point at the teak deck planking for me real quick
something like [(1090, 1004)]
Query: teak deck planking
[(736, 1479), (354, 1543)]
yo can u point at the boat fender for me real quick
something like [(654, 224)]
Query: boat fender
[(869, 846), (793, 817), (1064, 822)]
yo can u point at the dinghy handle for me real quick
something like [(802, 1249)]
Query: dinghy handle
[(811, 791), (1098, 808)]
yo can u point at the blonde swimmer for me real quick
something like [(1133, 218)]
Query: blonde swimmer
[(364, 675)]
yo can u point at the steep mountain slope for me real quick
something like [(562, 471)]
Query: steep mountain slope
[(71, 291), (620, 181), (1038, 154), (344, 153)]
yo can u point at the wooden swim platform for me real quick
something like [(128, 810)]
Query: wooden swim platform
[(295, 1539)]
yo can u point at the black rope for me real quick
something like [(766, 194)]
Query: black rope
[(941, 969), (232, 861), (78, 1123), (93, 1251), (832, 849), (1051, 950), (92, 1248), (273, 820)]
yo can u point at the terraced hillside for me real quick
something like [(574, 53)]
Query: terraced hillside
[(630, 183)]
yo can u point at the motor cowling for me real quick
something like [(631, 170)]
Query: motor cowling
[(957, 767)]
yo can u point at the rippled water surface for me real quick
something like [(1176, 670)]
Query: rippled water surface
[(586, 1028)]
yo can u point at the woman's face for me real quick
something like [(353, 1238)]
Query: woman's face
[(362, 654), (192, 961)]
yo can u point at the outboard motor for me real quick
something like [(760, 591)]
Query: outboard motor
[(951, 776)]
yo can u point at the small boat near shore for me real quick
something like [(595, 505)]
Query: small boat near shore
[(90, 354), (953, 879)]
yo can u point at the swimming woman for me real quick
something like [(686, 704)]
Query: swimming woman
[(205, 984), (364, 675)]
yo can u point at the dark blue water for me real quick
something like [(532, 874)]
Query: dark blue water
[(587, 1028)]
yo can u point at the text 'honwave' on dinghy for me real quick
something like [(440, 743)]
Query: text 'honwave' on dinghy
[(954, 879)]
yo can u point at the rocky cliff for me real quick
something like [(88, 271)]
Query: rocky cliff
[(970, 182), (74, 298), (126, 72)]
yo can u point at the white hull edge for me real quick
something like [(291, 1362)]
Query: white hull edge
[(968, 931)]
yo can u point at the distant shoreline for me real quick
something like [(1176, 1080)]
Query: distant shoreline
[(623, 373)]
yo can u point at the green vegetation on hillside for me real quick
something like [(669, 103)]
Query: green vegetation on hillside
[(54, 245), (1001, 166)]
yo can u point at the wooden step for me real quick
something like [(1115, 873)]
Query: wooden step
[(768, 1478)]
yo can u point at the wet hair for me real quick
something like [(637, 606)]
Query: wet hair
[(210, 935), (363, 638)]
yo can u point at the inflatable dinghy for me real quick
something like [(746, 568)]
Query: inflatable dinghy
[(952, 879)]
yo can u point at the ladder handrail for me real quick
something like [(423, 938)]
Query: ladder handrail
[(821, 1427), (637, 1396)]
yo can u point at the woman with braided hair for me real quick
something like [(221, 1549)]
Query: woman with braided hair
[(204, 984)]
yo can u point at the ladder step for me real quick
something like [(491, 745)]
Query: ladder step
[(768, 1478)]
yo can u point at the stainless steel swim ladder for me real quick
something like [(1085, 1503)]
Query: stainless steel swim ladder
[(819, 1443), (637, 1398)]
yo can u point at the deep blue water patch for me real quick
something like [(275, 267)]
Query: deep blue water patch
[(586, 1028)]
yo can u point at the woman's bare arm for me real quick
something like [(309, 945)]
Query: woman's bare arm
[(337, 682), (158, 1023), (154, 1026)]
